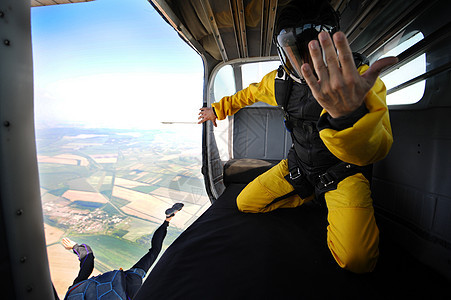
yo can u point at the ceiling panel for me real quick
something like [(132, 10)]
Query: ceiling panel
[(55, 2)]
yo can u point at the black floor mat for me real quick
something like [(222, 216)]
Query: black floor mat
[(227, 254)]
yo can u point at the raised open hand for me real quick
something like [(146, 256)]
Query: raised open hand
[(339, 88)]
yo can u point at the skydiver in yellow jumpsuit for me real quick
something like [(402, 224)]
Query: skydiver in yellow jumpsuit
[(336, 112)]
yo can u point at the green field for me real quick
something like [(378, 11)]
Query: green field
[(156, 156)]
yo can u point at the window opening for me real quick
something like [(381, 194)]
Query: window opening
[(116, 131), (411, 94), (224, 84), (254, 72)]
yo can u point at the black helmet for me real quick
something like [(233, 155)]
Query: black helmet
[(297, 24)]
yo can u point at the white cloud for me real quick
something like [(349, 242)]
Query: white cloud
[(121, 100)]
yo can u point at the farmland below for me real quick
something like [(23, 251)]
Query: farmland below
[(110, 188)]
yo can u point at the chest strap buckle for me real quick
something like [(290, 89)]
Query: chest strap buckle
[(326, 179), (296, 174)]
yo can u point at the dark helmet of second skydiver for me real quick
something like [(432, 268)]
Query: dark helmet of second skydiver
[(298, 23)]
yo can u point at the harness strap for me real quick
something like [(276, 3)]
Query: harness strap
[(325, 182), (288, 87), (297, 179), (283, 85), (329, 180), (292, 122)]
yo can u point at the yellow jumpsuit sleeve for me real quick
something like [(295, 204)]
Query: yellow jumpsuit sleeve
[(370, 138), (255, 92)]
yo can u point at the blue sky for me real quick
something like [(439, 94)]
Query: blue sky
[(112, 63)]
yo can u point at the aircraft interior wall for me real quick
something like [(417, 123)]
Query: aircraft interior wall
[(411, 187), (24, 261)]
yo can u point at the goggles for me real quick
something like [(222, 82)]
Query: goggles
[(292, 45)]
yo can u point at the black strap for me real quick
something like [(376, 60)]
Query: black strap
[(288, 88), (297, 179), (296, 176), (325, 182), (294, 192), (283, 91), (329, 180), (293, 122), (283, 85)]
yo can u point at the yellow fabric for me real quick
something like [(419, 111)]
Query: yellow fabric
[(352, 234), (370, 139), (262, 91), (265, 188)]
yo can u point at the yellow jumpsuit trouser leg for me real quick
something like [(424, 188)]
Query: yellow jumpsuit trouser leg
[(352, 234)]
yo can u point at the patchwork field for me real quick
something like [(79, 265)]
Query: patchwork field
[(84, 196), (110, 188)]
